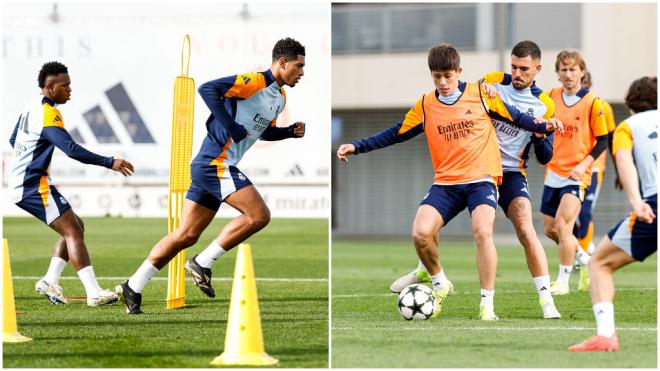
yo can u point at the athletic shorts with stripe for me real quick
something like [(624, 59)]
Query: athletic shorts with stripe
[(43, 201), (211, 184), (635, 237), (514, 184), (552, 197), (450, 200)]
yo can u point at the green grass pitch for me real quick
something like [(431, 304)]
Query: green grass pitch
[(294, 309), (367, 330)]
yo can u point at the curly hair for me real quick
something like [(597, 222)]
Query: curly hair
[(288, 48), (643, 94), (50, 69)]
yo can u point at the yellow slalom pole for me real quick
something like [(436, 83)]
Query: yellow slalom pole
[(180, 153), (9, 328)]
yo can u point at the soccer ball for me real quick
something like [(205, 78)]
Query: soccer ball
[(416, 302)]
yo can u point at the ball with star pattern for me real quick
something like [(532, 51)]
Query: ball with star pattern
[(416, 302)]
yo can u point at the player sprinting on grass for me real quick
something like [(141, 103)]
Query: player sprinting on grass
[(569, 172), (456, 119), (244, 108), (635, 148), (519, 90), (40, 128), (584, 226)]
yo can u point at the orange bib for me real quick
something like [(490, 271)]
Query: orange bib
[(577, 141), (461, 138)]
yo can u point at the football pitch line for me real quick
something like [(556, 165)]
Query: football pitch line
[(487, 328), (187, 279), (391, 294)]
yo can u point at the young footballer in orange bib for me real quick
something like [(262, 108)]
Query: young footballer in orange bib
[(569, 172), (456, 119), (635, 149)]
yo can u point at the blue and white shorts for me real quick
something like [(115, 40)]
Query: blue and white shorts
[(211, 184), (637, 238)]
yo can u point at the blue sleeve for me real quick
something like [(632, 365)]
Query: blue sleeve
[(12, 139), (213, 94), (62, 140), (276, 133), (543, 148), (520, 120), (386, 138)]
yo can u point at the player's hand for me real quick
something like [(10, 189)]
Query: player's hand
[(556, 124), (489, 90), (299, 129), (578, 172), (344, 151), (122, 166), (644, 212)]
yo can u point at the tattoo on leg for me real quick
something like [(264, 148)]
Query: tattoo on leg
[(520, 209)]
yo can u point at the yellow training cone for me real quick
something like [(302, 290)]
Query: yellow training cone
[(244, 342), (9, 330)]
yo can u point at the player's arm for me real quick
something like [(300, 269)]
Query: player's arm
[(623, 159), (273, 132), (543, 147), (496, 78), (543, 143), (407, 128), (498, 109), (215, 92), (599, 129), (55, 133)]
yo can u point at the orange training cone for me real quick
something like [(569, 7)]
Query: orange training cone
[(9, 329), (244, 342)]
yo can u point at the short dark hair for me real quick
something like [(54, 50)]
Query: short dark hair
[(526, 48), (50, 69), (443, 57), (288, 48), (586, 80), (643, 94)]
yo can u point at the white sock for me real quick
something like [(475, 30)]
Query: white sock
[(55, 270), (141, 276), (582, 257), (89, 281), (604, 313), (421, 266), (564, 273), (438, 281), (210, 254), (487, 297), (542, 284), (591, 248)]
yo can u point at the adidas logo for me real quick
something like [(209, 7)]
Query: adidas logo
[(63, 201), (530, 112), (492, 197), (524, 189), (130, 120), (543, 288), (295, 171), (246, 79), (57, 119), (241, 176), (468, 112), (577, 118)]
